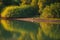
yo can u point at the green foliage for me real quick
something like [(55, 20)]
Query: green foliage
[(21, 11), (43, 3), (48, 9), (30, 2), (11, 2), (51, 30), (4, 34), (52, 11), (22, 25), (26, 1), (1, 7)]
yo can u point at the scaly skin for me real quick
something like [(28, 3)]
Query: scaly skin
[(51, 30)]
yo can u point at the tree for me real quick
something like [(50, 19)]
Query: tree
[(50, 29)]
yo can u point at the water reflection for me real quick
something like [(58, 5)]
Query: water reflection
[(28, 28)]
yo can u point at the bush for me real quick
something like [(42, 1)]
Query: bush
[(43, 3), (11, 2), (50, 29), (20, 26), (20, 11)]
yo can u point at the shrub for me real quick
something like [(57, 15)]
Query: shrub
[(51, 30), (43, 3), (20, 11)]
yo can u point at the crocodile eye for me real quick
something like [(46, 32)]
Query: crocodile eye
[(50, 29)]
